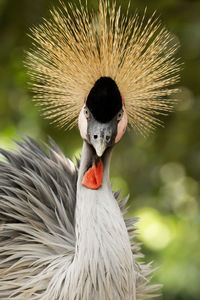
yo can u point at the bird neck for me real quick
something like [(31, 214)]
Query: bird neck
[(103, 252)]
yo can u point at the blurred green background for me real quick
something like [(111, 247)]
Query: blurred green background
[(161, 173)]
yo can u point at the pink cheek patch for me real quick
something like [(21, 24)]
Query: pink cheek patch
[(121, 129), (82, 124)]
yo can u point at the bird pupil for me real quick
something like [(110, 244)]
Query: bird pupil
[(104, 100)]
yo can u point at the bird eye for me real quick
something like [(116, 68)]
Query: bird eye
[(119, 116), (86, 113)]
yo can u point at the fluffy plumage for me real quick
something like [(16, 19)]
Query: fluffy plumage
[(75, 48), (37, 233)]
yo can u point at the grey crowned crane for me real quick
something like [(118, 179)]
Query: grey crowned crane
[(62, 232)]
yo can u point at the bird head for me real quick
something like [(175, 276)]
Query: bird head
[(105, 70), (103, 119)]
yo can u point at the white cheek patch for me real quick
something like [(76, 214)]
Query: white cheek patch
[(82, 124), (122, 125)]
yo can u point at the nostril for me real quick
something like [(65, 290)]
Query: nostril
[(107, 138), (95, 136)]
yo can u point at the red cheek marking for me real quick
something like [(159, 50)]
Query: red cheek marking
[(94, 176)]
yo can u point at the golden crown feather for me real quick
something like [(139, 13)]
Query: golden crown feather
[(73, 49)]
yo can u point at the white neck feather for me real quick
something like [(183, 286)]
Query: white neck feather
[(103, 253)]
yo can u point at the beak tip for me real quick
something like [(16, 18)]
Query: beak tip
[(100, 148), (99, 152)]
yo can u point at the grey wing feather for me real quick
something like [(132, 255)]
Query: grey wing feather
[(37, 203)]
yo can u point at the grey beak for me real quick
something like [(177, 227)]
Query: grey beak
[(101, 135), (99, 146)]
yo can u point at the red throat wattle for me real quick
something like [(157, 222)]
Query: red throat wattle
[(92, 179)]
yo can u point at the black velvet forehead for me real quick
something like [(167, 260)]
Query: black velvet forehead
[(104, 100)]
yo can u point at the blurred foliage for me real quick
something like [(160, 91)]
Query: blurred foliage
[(161, 173)]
